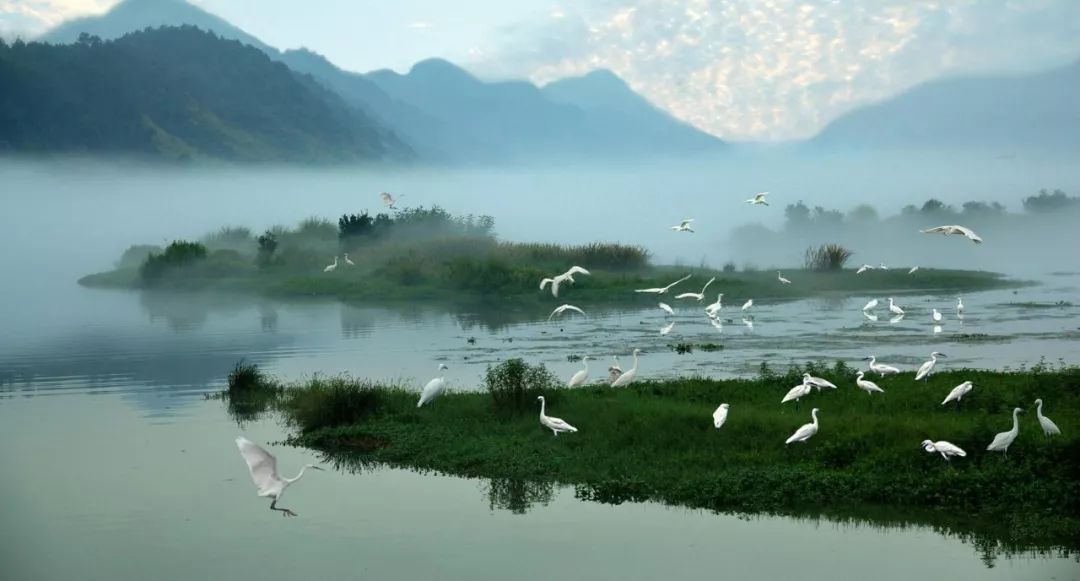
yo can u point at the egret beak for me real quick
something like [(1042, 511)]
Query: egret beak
[(318, 468)]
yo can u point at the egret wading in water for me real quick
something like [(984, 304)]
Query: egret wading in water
[(720, 416), (715, 307), (936, 316), (667, 328), (556, 425), (1003, 440), (698, 296), (957, 393), (433, 389), (954, 230), (582, 375), (1048, 426), (959, 306), (946, 449), (926, 368), (758, 199), (870, 305), (331, 267), (662, 290), (684, 226), (805, 432), (746, 306), (881, 368), (627, 377), (562, 309), (262, 466), (894, 308), (781, 278)]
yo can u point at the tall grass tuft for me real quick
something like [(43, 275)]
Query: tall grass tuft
[(607, 256), (331, 402), (827, 257), (514, 385), (246, 378)]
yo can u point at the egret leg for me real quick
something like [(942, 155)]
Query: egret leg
[(284, 511), (556, 432)]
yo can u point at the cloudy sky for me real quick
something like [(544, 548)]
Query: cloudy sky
[(741, 69)]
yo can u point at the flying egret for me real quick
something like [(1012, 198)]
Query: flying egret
[(746, 306), (870, 305), (957, 393), (913, 270), (662, 290), (946, 449), (720, 416), (263, 468), (628, 376), (758, 199), (954, 229), (880, 368), (864, 268), (699, 296), (866, 385), (1048, 426), (614, 371), (558, 279), (894, 308), (1003, 440), (331, 267), (433, 389), (563, 308), (715, 307), (347, 261), (936, 316), (959, 306), (556, 425), (582, 375), (684, 226), (926, 368), (817, 382), (667, 328), (389, 200), (666, 308), (796, 393), (781, 278), (806, 431)]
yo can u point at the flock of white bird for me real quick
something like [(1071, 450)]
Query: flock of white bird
[(263, 465)]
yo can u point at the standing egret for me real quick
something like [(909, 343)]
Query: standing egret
[(582, 375), (864, 268), (563, 308), (781, 278), (883, 267), (433, 389), (627, 377), (614, 371), (936, 315), (556, 425), (758, 199), (667, 328), (913, 270), (746, 306), (894, 308), (699, 296), (1048, 426), (880, 368), (347, 261), (1003, 440), (957, 393), (796, 393), (262, 466), (684, 226), (662, 290), (720, 416), (926, 368), (954, 230), (715, 307), (806, 431), (331, 267), (817, 381), (666, 308), (946, 449), (870, 305), (959, 306), (866, 385)]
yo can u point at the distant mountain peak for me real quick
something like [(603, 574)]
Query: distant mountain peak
[(441, 68)]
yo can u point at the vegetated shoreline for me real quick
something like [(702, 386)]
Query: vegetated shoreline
[(654, 441)]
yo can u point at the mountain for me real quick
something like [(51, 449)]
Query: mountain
[(177, 93), (1031, 111)]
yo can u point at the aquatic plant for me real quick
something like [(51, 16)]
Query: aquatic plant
[(334, 401), (827, 257), (179, 254), (514, 385)]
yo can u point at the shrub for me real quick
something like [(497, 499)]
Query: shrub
[(514, 385), (827, 257), (236, 238), (137, 254), (729, 267), (177, 255), (247, 378), (268, 243), (338, 401)]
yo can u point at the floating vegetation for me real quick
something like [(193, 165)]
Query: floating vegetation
[(978, 338), (1038, 305), (687, 348)]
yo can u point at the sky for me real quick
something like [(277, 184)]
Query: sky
[(766, 70)]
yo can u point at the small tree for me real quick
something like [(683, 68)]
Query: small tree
[(268, 244)]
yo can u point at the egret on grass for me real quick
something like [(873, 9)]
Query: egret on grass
[(1048, 426), (758, 199), (817, 382), (746, 306), (1003, 440), (582, 375), (806, 431), (720, 416), (926, 368), (946, 449), (331, 267), (781, 278), (347, 261), (699, 296), (614, 371), (866, 385), (667, 328), (563, 308), (954, 229), (263, 468), (556, 425), (684, 226), (957, 393), (880, 368), (864, 268), (627, 377), (913, 270), (894, 308), (666, 308), (433, 389), (662, 290), (796, 393)]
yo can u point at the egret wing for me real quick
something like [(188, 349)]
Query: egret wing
[(559, 424), (578, 270), (261, 464), (950, 448), (719, 416)]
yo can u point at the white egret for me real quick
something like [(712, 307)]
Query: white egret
[(262, 466), (913, 270), (720, 416), (749, 322), (662, 290), (796, 393), (936, 315), (746, 306), (870, 316), (937, 329), (666, 308), (957, 393), (684, 226), (1048, 426), (926, 368), (870, 305), (331, 267), (894, 308), (614, 371), (758, 199), (806, 431), (347, 261), (717, 324), (558, 279), (883, 267), (959, 306), (864, 268), (817, 382), (699, 296), (628, 376), (781, 278), (556, 425), (880, 368), (715, 307), (582, 375), (1003, 440), (563, 308), (946, 449), (433, 389), (954, 229), (866, 385), (389, 200), (667, 328)]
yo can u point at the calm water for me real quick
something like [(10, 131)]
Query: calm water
[(117, 468)]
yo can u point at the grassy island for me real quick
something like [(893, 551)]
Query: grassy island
[(655, 441), (419, 253)]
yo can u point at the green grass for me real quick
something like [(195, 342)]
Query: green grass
[(655, 441)]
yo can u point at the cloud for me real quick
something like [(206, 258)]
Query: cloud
[(781, 69), (32, 17), (419, 25)]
